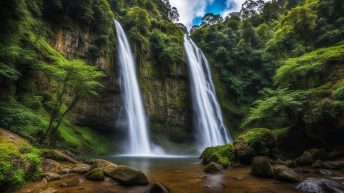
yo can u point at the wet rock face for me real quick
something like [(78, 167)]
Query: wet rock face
[(336, 165), (261, 167), (80, 168), (320, 185)]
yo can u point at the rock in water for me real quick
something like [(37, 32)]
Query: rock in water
[(158, 188), (95, 175), (102, 164), (286, 174), (261, 167), (213, 167), (128, 176), (320, 185)]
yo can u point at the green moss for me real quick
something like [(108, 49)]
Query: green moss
[(254, 135), (220, 154), (19, 162)]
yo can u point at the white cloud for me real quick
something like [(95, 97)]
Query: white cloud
[(189, 9)]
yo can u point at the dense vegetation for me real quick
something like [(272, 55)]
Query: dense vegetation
[(280, 65)]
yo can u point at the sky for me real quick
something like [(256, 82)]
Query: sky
[(192, 11)]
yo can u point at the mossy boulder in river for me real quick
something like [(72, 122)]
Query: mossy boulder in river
[(219, 154), (128, 176), (254, 142), (306, 159), (95, 175), (213, 167)]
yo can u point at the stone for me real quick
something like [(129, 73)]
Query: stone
[(324, 172), (306, 159), (213, 167), (51, 176), (103, 165), (215, 186), (320, 185), (335, 165), (50, 190), (57, 155), (283, 173), (255, 142), (51, 166), (95, 175), (261, 167), (158, 188), (128, 176), (80, 168)]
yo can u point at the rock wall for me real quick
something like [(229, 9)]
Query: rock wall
[(167, 99)]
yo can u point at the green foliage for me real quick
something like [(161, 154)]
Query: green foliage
[(253, 136), (276, 104), (220, 154), (19, 163), (301, 71)]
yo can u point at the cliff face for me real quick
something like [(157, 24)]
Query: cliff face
[(99, 112), (166, 99)]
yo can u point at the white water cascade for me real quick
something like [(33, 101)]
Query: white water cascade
[(211, 130), (138, 142)]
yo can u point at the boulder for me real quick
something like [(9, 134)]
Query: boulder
[(220, 154), (103, 165), (283, 173), (261, 167), (320, 185), (80, 168), (255, 142), (306, 159), (51, 166), (95, 175), (128, 176), (213, 167), (335, 165), (57, 155), (158, 188), (51, 176)]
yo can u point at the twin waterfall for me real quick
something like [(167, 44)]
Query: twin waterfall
[(138, 140), (211, 130), (210, 127)]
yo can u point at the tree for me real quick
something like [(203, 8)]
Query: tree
[(211, 19), (72, 81)]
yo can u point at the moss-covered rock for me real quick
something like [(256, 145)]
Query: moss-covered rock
[(57, 155), (128, 176), (261, 167), (95, 175), (19, 161), (213, 167), (254, 142), (219, 154)]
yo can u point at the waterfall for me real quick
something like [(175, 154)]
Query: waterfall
[(138, 142), (211, 130)]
